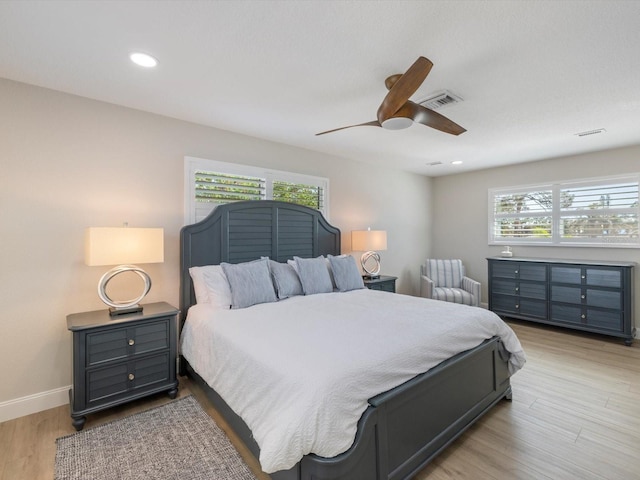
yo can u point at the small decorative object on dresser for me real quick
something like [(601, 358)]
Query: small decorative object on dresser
[(383, 282), (123, 359), (582, 295)]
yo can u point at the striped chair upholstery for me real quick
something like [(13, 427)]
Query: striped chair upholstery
[(446, 280)]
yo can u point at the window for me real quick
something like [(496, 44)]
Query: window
[(209, 183), (593, 212)]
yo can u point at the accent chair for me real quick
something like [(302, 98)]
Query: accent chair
[(444, 279)]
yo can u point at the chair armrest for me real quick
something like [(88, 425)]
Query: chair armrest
[(473, 287), (426, 287)]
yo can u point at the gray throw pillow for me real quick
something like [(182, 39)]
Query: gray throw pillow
[(250, 283), (285, 279), (314, 275), (345, 273)]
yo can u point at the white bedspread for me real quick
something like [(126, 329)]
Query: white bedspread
[(300, 371)]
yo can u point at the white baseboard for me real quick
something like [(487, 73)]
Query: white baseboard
[(37, 402)]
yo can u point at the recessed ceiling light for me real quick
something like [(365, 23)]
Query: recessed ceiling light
[(143, 59), (456, 162)]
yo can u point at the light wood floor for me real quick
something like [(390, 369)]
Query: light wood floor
[(575, 414)]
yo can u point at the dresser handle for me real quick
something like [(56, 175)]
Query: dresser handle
[(517, 306), (583, 296), (131, 376), (517, 289), (132, 342), (583, 277), (583, 316), (516, 271)]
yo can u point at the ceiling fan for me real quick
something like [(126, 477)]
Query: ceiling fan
[(397, 111)]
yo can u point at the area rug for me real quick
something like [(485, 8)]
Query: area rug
[(174, 441)]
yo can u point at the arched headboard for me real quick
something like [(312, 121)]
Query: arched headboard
[(244, 231)]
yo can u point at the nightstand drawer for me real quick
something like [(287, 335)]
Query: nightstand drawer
[(120, 343), (384, 286), (107, 384), (383, 283)]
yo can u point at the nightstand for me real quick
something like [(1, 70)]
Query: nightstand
[(116, 360), (385, 283)]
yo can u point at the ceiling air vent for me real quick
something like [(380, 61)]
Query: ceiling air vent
[(440, 99), (590, 132)]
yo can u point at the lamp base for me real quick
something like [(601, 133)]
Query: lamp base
[(116, 312), (370, 262)]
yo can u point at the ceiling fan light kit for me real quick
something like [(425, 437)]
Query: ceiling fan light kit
[(397, 123), (397, 112)]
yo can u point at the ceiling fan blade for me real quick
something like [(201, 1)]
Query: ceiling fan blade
[(402, 88), (373, 123), (428, 117)]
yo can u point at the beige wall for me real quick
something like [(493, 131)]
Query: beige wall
[(67, 163), (465, 235)]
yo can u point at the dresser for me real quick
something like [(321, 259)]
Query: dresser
[(385, 283), (583, 295), (119, 359)]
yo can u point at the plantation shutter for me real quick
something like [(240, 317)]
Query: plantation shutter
[(523, 214), (214, 188), (299, 193), (605, 213)]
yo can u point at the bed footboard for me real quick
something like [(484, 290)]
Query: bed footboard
[(406, 427)]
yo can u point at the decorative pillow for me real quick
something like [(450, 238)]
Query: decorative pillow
[(314, 275), (346, 273), (211, 286), (286, 279), (250, 283)]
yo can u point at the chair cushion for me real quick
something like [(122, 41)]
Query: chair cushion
[(445, 273), (455, 295)]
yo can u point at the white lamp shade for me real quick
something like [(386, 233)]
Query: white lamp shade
[(368, 240), (123, 245)]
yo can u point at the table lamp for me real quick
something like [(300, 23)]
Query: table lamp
[(123, 246), (369, 241)]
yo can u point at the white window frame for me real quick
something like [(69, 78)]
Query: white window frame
[(556, 214), (194, 164)]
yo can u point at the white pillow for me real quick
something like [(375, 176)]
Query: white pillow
[(211, 286)]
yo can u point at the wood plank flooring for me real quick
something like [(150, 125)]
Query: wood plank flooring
[(575, 414)]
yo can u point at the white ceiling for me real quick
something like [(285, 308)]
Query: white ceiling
[(532, 74)]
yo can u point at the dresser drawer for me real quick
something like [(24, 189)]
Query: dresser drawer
[(604, 277), (592, 318), (110, 383), (592, 297), (564, 274), (506, 304), (120, 343)]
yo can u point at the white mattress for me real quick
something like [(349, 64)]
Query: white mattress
[(300, 371)]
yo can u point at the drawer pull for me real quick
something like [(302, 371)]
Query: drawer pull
[(517, 306), (516, 271), (583, 316), (517, 289), (131, 376), (583, 296), (132, 342), (583, 277)]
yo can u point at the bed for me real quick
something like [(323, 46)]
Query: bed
[(401, 428)]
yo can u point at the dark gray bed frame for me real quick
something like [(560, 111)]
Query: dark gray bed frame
[(403, 428)]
